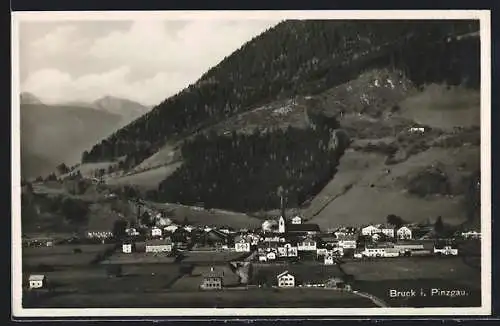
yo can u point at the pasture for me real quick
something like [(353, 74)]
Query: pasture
[(211, 257), (214, 217), (148, 179), (139, 258), (65, 249), (251, 298)]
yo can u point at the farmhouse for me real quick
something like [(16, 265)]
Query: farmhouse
[(286, 280), (37, 281), (170, 228), (387, 231), (328, 259), (241, 244), (307, 244), (127, 247), (212, 280), (156, 232), (271, 255), (404, 233), (471, 235), (370, 230), (290, 250), (347, 244), (297, 220), (159, 245)]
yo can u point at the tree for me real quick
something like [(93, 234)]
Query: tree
[(119, 229), (439, 225), (62, 168), (74, 210), (395, 220)]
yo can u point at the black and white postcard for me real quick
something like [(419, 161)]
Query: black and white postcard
[(251, 163)]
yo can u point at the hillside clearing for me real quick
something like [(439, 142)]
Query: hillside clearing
[(441, 107), (149, 179), (214, 217), (364, 175)]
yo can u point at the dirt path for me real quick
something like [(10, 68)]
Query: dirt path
[(377, 301)]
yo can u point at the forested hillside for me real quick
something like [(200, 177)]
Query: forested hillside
[(298, 57)]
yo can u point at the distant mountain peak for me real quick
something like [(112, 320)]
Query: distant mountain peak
[(29, 98)]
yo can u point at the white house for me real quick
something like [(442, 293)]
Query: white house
[(347, 244), (281, 252), (297, 220), (370, 230), (242, 245), (307, 245), (419, 130), (321, 251), (189, 228), (132, 232), (170, 228), (271, 255), (156, 232), (471, 235), (328, 260), (404, 232), (37, 281), (337, 252), (281, 225), (388, 231), (286, 280), (291, 251), (159, 245), (127, 248)]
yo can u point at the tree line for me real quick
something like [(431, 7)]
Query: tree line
[(296, 57), (243, 171)]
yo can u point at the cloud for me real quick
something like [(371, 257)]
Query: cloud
[(148, 62), (55, 86)]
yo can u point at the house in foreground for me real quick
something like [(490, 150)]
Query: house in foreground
[(37, 281), (212, 280), (286, 280)]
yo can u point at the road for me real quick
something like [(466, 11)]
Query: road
[(377, 301)]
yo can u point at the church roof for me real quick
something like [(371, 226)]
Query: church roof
[(303, 227)]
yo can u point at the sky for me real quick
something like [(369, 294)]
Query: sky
[(145, 60)]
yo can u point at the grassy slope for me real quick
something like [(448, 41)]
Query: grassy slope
[(358, 202)]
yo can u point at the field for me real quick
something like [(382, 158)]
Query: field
[(191, 282), (199, 216), (363, 175), (138, 258), (149, 179), (62, 255), (440, 107), (212, 257), (378, 277), (304, 273), (258, 298), (65, 249)]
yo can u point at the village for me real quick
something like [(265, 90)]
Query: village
[(285, 253)]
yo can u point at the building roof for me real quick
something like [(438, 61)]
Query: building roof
[(308, 227), (214, 273), (158, 242), (34, 277)]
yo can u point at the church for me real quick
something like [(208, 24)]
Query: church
[(291, 228)]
